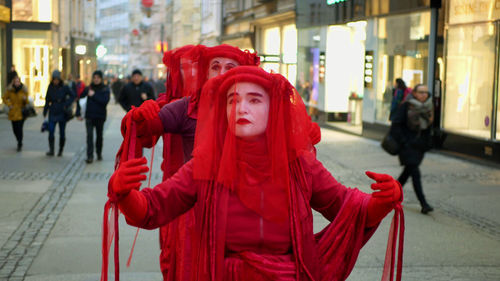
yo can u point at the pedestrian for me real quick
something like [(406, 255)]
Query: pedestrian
[(58, 100), (399, 94), (16, 98), (252, 183), (97, 98), (135, 92), (411, 128), (11, 74), (116, 87), (79, 86)]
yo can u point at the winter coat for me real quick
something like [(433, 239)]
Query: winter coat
[(414, 142), (96, 104), (131, 94), (58, 98), (15, 100)]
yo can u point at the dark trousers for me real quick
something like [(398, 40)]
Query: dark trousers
[(98, 124), (62, 129), (414, 172), (17, 127)]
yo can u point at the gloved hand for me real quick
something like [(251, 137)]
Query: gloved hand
[(315, 133), (388, 192), (129, 176), (148, 111), (125, 182)]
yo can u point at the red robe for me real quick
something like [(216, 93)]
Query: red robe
[(234, 243)]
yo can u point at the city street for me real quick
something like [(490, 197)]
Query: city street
[(51, 210)]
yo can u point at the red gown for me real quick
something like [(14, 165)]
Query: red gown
[(244, 246)]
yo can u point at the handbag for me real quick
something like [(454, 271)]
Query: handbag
[(45, 126), (69, 111), (83, 105), (390, 145), (28, 111)]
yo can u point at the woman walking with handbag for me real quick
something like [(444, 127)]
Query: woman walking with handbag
[(16, 98), (411, 126), (58, 99)]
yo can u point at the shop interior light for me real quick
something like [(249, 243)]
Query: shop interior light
[(100, 51), (81, 49)]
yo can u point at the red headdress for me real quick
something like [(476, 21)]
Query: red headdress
[(196, 62), (254, 171), (175, 82)]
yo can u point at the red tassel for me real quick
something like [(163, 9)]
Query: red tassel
[(392, 244)]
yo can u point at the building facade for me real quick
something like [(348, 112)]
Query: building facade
[(34, 45), (114, 32), (267, 27)]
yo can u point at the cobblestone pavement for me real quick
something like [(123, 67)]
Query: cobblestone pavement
[(51, 210)]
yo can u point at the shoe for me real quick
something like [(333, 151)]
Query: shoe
[(19, 147), (50, 153), (89, 160), (426, 209), (99, 157), (60, 153)]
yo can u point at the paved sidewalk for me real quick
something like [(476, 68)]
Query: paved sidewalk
[(51, 210)]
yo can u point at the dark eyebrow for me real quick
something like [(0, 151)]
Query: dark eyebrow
[(214, 62), (232, 94), (255, 94)]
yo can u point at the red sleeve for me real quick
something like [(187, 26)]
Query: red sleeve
[(328, 194), (171, 198)]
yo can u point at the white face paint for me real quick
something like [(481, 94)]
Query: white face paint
[(251, 109), (220, 65)]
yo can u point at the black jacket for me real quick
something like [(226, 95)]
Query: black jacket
[(96, 104), (131, 94), (413, 143), (58, 98)]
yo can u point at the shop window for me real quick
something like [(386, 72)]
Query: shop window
[(470, 65), (272, 41), (33, 10), (402, 53)]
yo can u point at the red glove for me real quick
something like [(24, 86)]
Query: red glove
[(129, 176), (388, 192), (315, 133), (125, 182), (147, 111)]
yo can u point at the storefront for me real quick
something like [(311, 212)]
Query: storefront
[(84, 58), (470, 107), (34, 44), (31, 56), (277, 46), (330, 58)]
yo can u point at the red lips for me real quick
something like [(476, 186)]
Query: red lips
[(243, 121)]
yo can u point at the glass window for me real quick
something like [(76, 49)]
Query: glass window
[(31, 53), (402, 53), (33, 10), (470, 67), (272, 41)]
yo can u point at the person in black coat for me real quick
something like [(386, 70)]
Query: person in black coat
[(58, 100), (411, 126), (135, 92), (97, 95)]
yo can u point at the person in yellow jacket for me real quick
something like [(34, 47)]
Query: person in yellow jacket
[(15, 98)]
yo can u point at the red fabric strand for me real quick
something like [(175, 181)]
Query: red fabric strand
[(129, 149)]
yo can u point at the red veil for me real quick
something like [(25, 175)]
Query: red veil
[(200, 57), (187, 72), (269, 178)]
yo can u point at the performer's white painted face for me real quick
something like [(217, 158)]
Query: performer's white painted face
[(250, 104), (220, 65)]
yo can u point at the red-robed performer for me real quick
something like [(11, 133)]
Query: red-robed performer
[(189, 67), (252, 183)]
